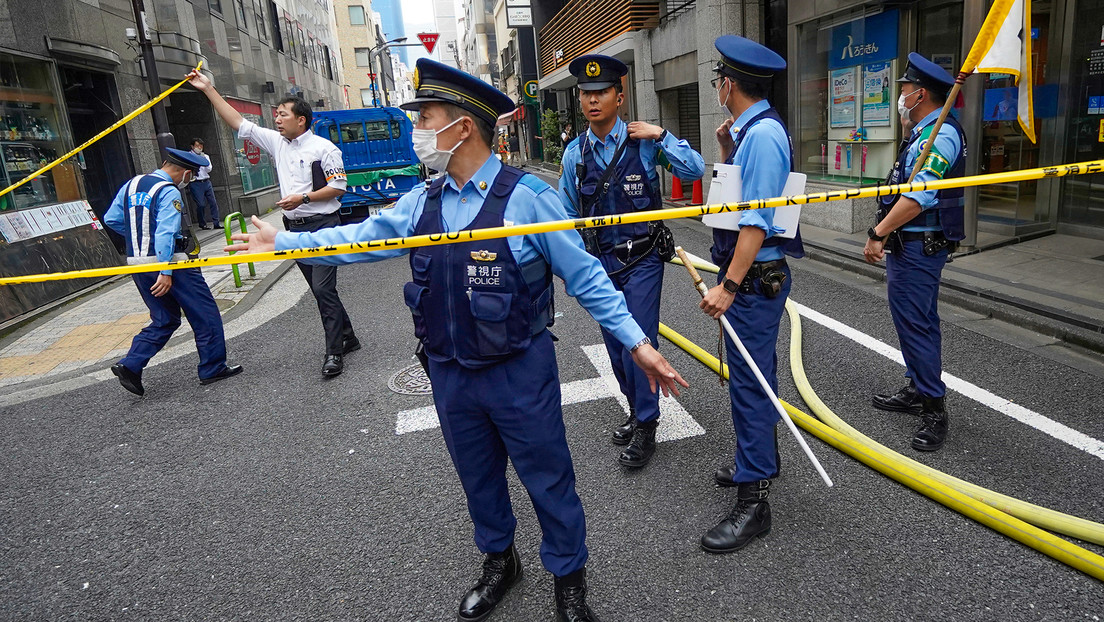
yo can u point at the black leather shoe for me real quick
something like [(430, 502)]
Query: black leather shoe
[(750, 518), (723, 476), (500, 572), (934, 423), (350, 345), (641, 446), (571, 605), (906, 400), (229, 370), (622, 434), (333, 365), (131, 381)]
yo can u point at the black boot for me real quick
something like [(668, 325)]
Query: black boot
[(723, 476), (622, 434), (641, 447), (571, 603), (934, 422), (907, 400), (500, 572), (750, 518)]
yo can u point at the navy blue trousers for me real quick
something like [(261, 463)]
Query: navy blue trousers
[(512, 410), (190, 294), (912, 282), (204, 195), (642, 286), (755, 319)]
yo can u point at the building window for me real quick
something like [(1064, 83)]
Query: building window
[(278, 35), (326, 62), (240, 5), (289, 38), (255, 166), (258, 17), (362, 59), (303, 55), (356, 15), (215, 6)]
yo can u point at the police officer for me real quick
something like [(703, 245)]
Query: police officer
[(202, 191), (481, 310), (920, 230), (312, 179), (146, 212), (753, 283), (611, 169)]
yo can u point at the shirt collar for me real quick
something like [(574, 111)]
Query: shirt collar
[(300, 139), (163, 175), (483, 178), (926, 121), (760, 106), (614, 134)]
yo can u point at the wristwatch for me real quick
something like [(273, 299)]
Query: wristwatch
[(731, 286), (643, 342), (873, 235), (662, 136), (306, 198)]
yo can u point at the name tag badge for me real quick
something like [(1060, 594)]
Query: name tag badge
[(633, 189), (483, 276)]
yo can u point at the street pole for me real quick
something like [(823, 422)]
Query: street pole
[(160, 119), (540, 100)]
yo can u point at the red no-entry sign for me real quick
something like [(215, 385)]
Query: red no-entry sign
[(428, 39)]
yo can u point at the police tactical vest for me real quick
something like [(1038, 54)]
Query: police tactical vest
[(629, 191), (724, 240), (472, 302), (140, 213), (950, 203)]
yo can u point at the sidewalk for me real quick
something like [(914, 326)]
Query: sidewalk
[(95, 330), (1052, 285)]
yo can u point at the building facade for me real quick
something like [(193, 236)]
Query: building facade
[(477, 42), (447, 49), (366, 65), (850, 52), (70, 69)]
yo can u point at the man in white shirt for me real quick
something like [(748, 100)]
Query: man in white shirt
[(202, 191), (312, 178)]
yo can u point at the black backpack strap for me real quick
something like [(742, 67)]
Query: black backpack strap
[(603, 184)]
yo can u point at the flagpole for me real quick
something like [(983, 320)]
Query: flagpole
[(951, 98)]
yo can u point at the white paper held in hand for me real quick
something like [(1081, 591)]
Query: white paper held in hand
[(726, 188)]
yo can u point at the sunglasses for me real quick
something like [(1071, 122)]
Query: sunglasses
[(719, 79)]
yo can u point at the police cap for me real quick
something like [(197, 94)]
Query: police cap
[(437, 82), (184, 159), (926, 74), (596, 72), (744, 59)]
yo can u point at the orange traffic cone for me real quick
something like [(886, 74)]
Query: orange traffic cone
[(697, 199), (676, 190)]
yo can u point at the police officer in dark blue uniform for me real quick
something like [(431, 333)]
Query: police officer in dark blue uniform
[(915, 233), (146, 212), (481, 309), (753, 283), (611, 169)]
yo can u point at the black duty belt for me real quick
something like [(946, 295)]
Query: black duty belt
[(760, 268), (307, 220), (912, 236)]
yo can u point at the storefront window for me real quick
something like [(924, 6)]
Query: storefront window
[(1083, 202), (32, 133), (255, 166)]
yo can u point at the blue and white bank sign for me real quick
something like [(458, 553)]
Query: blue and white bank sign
[(863, 41)]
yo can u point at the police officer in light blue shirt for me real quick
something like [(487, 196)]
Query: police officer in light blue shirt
[(481, 310), (593, 184), (753, 283), (920, 230), (146, 212)]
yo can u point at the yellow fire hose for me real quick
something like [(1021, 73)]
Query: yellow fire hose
[(1001, 513)]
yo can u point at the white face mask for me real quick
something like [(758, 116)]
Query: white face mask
[(184, 182), (721, 100), (904, 110), (425, 147)]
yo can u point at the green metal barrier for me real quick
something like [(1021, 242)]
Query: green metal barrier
[(227, 223)]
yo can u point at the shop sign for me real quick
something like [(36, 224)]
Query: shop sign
[(1096, 105), (252, 152), (866, 40)]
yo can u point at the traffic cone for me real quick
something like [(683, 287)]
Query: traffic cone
[(697, 199), (676, 190)]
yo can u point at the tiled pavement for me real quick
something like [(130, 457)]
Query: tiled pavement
[(99, 328)]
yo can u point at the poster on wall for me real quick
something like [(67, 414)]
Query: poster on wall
[(876, 95), (843, 97)]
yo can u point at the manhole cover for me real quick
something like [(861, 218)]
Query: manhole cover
[(410, 380)]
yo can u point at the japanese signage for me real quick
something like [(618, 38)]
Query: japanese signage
[(863, 41), (876, 94), (843, 97)]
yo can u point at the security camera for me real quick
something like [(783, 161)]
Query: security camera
[(132, 34)]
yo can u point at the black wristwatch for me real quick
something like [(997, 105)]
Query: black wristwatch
[(662, 136), (306, 198), (731, 286), (873, 235)]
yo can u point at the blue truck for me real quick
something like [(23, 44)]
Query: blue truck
[(379, 157)]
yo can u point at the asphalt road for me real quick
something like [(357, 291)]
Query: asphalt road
[(278, 495)]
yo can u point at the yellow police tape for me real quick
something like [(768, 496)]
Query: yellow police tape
[(1012, 518), (469, 235), (121, 122)]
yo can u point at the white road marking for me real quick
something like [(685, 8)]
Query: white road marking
[(1040, 422), (674, 423)]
